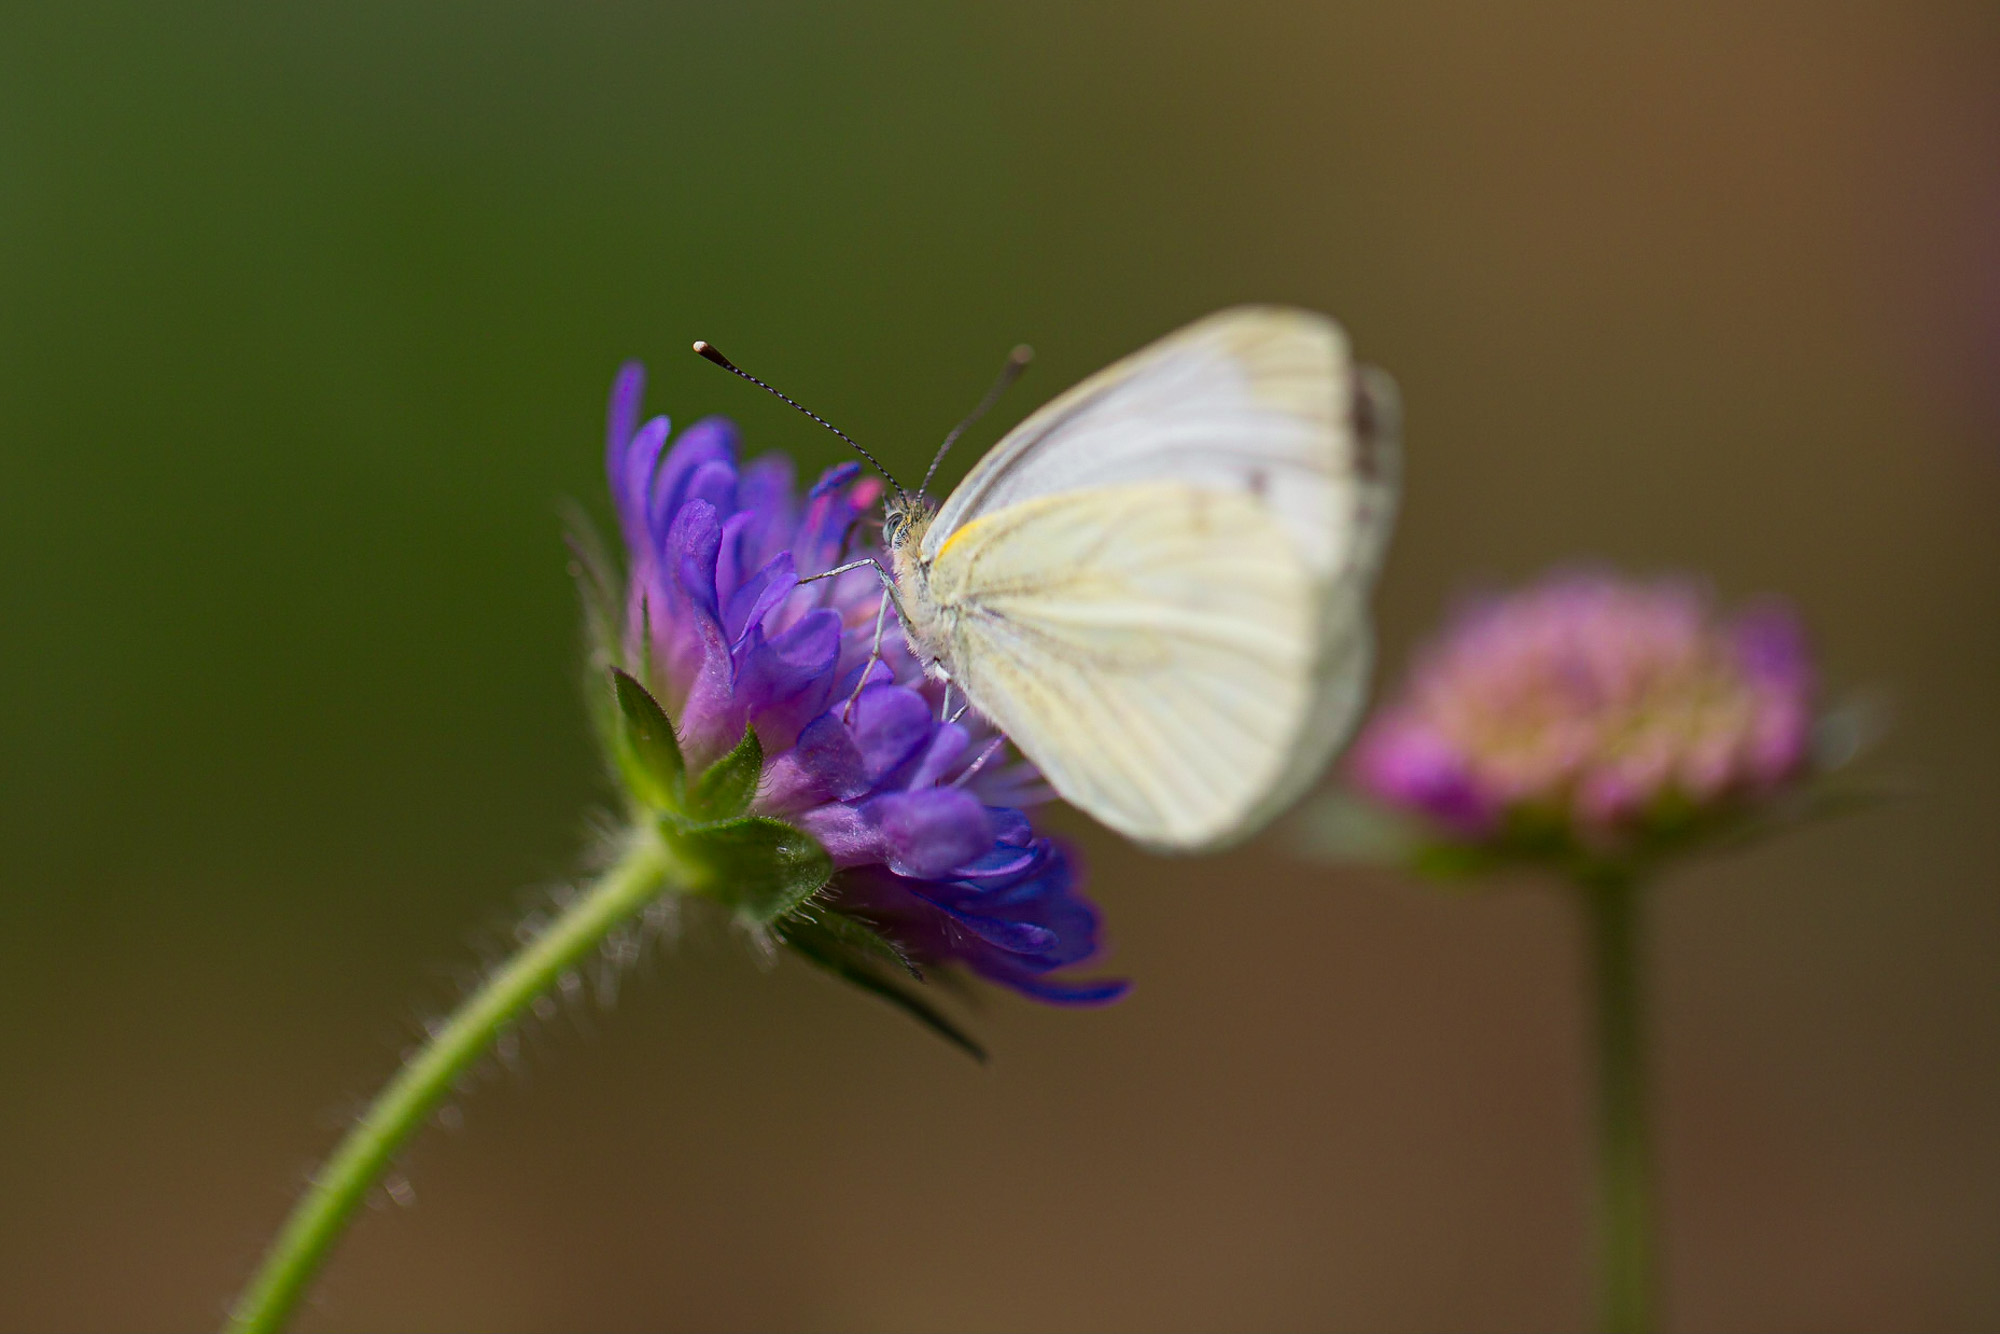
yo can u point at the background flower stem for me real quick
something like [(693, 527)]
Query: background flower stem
[(1613, 904), (318, 1220)]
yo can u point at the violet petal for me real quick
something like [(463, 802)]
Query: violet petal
[(926, 834), (890, 722)]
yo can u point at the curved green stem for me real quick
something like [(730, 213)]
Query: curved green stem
[(318, 1220), (1624, 1164)]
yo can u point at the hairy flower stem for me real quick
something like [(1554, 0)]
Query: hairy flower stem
[(1613, 904), (639, 875)]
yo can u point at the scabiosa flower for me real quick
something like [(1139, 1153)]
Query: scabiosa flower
[(1592, 727), (1596, 710), (921, 817), (782, 754)]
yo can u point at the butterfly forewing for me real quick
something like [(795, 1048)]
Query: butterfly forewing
[(1255, 398)]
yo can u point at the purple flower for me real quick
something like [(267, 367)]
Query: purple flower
[(922, 815), (1604, 708)]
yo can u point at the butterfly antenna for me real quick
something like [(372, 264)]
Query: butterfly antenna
[(708, 352), (1017, 361)]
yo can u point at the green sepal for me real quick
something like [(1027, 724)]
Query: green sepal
[(852, 936), (599, 591), (848, 949), (648, 756), (1448, 861), (758, 867), (597, 583), (725, 788), (1346, 829)]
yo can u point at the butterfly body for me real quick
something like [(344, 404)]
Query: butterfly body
[(1156, 584)]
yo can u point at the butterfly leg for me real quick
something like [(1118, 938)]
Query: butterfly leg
[(874, 655), (945, 712), (972, 770), (889, 598), (842, 569)]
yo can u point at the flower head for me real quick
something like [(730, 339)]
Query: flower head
[(922, 816), (1597, 711)]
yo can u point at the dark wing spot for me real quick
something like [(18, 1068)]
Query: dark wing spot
[(1371, 427)]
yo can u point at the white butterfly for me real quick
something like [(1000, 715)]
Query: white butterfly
[(1157, 584)]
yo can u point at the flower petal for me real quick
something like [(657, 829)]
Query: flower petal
[(621, 416), (830, 481), (765, 490), (1057, 992), (771, 671), (1013, 937), (890, 723), (824, 765), (710, 440), (755, 597), (946, 745), (692, 544), (1409, 765), (631, 475), (926, 834), (848, 836), (715, 483)]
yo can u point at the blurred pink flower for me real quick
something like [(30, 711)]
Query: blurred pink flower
[(1597, 706)]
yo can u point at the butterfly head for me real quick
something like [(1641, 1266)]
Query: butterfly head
[(905, 519)]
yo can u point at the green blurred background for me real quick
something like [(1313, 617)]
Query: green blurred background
[(307, 314)]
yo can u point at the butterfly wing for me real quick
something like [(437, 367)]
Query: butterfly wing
[(1263, 399), (1148, 645), (1256, 422)]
